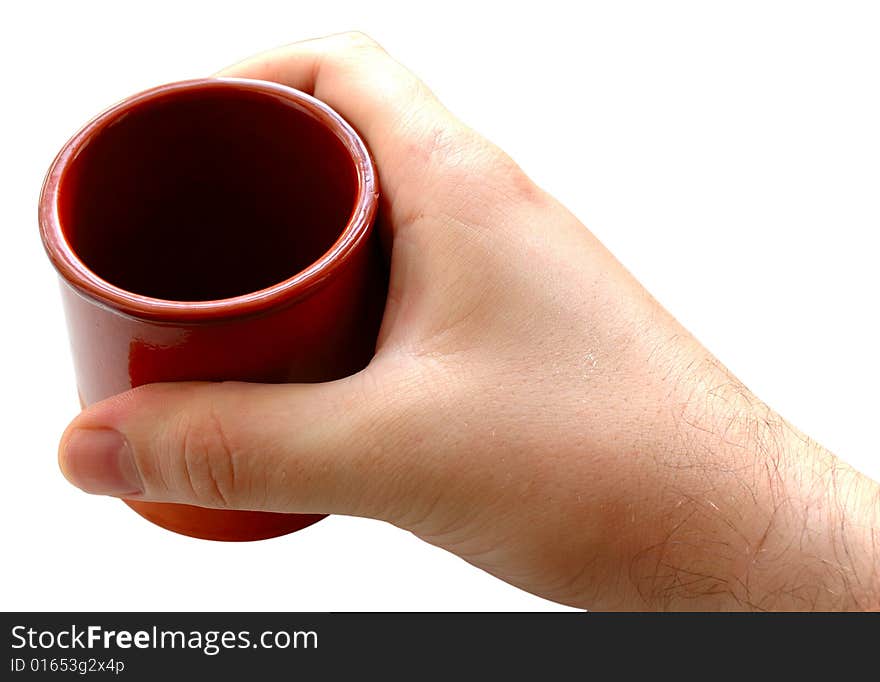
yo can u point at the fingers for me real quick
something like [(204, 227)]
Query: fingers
[(321, 448), (400, 119), (352, 74), (349, 71)]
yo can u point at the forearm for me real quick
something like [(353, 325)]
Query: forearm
[(752, 514)]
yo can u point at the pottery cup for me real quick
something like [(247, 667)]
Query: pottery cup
[(216, 229)]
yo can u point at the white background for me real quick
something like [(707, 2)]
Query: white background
[(727, 153)]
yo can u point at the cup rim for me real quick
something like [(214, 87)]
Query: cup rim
[(77, 274)]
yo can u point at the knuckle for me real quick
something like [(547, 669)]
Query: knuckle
[(438, 145), (499, 170), (206, 462), (360, 40), (470, 166)]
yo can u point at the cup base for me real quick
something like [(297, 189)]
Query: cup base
[(222, 524)]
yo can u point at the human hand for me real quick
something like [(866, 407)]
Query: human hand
[(530, 407)]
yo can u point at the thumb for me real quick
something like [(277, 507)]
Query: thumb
[(308, 448)]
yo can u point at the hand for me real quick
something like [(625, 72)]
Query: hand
[(530, 407)]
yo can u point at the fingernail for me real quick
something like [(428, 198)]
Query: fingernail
[(100, 462)]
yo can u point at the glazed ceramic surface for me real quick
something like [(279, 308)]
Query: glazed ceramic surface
[(213, 230)]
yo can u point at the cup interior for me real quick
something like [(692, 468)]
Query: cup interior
[(206, 193)]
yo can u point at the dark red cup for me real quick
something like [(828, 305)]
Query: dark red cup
[(217, 229)]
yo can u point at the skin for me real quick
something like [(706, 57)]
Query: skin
[(530, 406)]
